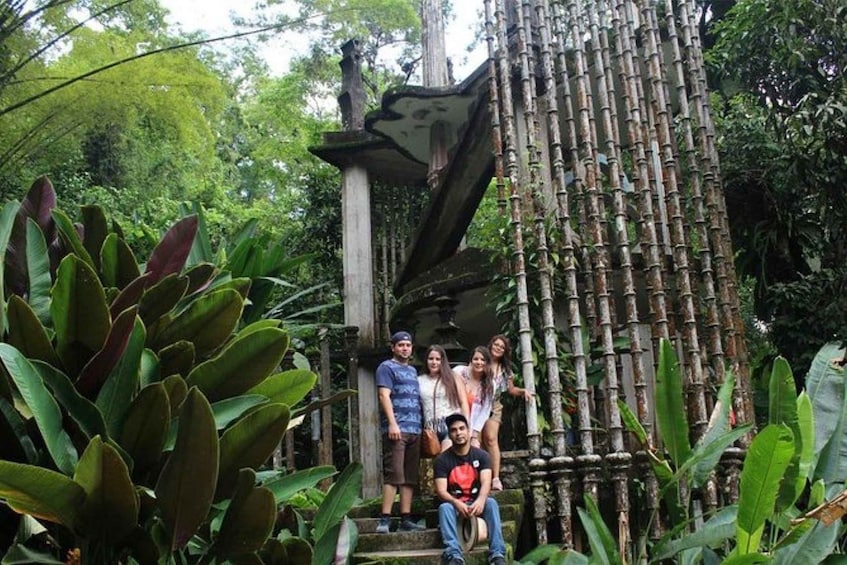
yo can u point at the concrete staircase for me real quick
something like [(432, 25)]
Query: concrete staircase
[(424, 547)]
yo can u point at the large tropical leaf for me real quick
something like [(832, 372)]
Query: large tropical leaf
[(37, 205), (145, 427), (208, 322), (122, 382), (96, 229), (117, 262), (201, 247), (806, 425), (225, 412), (110, 510), (348, 537), (43, 406), (339, 500), (186, 485), (288, 387), (718, 427), (825, 386), (130, 295), (79, 311), (93, 375), (27, 334), (71, 238), (7, 222), (250, 442), (200, 277), (38, 271), (177, 391), (80, 409), (630, 421), (333, 547), (170, 254), (813, 546), (41, 493), (602, 542), (670, 405), (716, 531), (249, 518), (764, 467), (177, 358), (782, 395), (242, 364), (783, 410), (283, 488), (161, 297), (15, 443), (229, 410)]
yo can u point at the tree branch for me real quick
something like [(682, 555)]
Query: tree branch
[(125, 60), (11, 72)]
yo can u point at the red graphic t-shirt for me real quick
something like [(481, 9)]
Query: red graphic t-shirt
[(462, 473)]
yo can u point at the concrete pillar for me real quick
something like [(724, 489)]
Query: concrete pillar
[(359, 311), (358, 268)]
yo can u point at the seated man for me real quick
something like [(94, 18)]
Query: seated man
[(463, 481)]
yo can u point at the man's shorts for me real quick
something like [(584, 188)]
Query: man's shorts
[(401, 459)]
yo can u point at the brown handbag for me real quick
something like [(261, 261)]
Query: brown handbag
[(430, 446)]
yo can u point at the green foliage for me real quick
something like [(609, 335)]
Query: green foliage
[(782, 130), (134, 413), (502, 296), (779, 473)]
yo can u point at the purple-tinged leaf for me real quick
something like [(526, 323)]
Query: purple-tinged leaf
[(170, 254), (200, 277), (130, 295), (94, 373), (38, 205)]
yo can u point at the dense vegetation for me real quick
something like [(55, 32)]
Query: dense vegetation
[(188, 122)]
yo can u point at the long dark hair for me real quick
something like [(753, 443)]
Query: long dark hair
[(487, 383), (506, 360), (445, 375)]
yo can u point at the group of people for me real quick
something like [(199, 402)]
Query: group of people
[(463, 407)]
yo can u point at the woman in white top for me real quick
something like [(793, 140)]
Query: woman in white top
[(480, 386), (442, 394)]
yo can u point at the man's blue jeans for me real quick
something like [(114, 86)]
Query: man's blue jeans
[(448, 519)]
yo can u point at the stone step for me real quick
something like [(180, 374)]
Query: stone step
[(479, 556), (425, 539), (368, 525)]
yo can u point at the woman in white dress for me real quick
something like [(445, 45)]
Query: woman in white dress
[(442, 394)]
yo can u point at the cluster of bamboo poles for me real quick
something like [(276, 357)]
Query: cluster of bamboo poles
[(600, 115)]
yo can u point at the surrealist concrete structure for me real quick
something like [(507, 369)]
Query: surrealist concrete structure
[(592, 118)]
